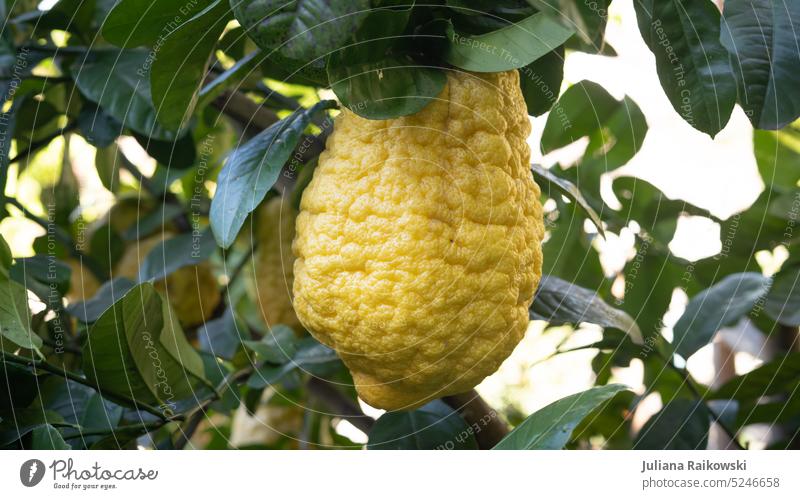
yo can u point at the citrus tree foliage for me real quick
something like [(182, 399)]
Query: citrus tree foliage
[(232, 99)]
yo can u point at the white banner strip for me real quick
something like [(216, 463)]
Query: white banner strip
[(353, 474)]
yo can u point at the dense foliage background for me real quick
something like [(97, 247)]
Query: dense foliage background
[(124, 119)]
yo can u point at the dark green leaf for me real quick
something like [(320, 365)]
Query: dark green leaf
[(20, 423), (138, 348), (5, 257), (692, 64), (551, 427), (303, 30), (715, 308), (310, 356), (90, 310), (584, 108), (18, 386), (223, 336), (783, 299), (252, 169), (277, 346), (568, 252), (781, 375), (511, 47), (183, 250), (778, 156), (48, 277), (681, 425), (762, 36), (132, 23), (119, 82), (48, 438), (560, 302), (15, 329), (389, 88), (432, 426), (178, 71), (177, 154), (99, 128), (75, 16), (541, 81)]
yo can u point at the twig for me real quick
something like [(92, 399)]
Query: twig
[(486, 424), (46, 366), (188, 429)]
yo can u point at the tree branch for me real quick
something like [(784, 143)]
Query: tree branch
[(486, 424), (53, 369)]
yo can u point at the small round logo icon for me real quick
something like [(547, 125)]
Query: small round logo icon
[(31, 472)]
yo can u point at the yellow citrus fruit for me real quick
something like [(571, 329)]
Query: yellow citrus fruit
[(418, 246), (191, 291), (272, 273)]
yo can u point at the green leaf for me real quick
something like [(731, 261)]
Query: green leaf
[(780, 375), (277, 346), (15, 328), (46, 276), (119, 82), (177, 154), (132, 23), (560, 302), (182, 63), (222, 337), (97, 127), (5, 257), (568, 251), (582, 110), (551, 427), (90, 310), (541, 81), (252, 169), (75, 16), (183, 250), (650, 208), (778, 156), (511, 47), (310, 356), (546, 177), (18, 386), (48, 438), (392, 87), (681, 425), (15, 426), (692, 64), (301, 30), (717, 307), (138, 348), (432, 426), (375, 77), (783, 298), (761, 36)]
